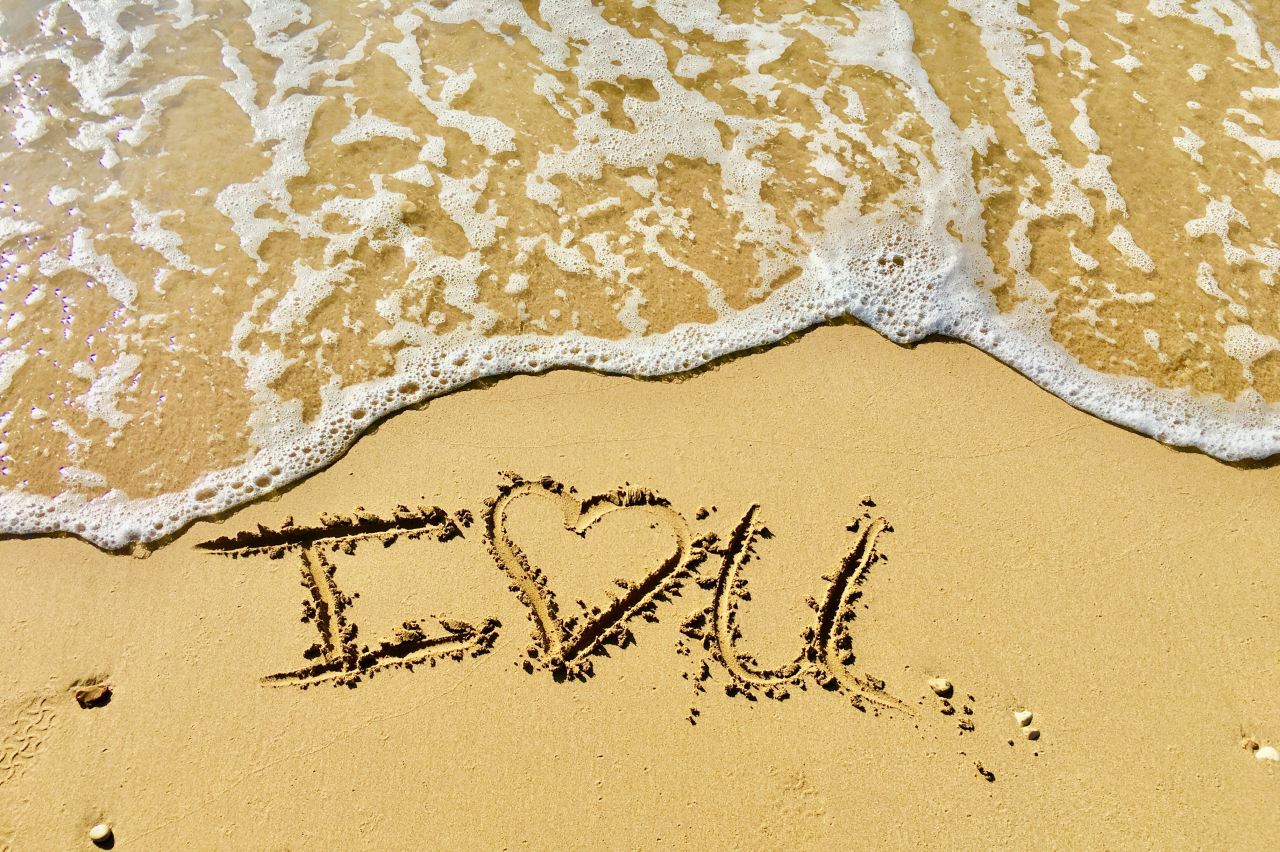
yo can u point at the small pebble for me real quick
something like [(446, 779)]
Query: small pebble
[(407, 207), (1023, 717), (93, 694), (100, 833), (1267, 753), (940, 686), (1031, 733)]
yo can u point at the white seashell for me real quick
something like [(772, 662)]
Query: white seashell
[(1023, 717), (1267, 753), (100, 832), (940, 686)]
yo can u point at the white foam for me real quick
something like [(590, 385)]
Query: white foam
[(1219, 216), (101, 400), (1247, 345), (1133, 255), (85, 258), (10, 363), (149, 232), (81, 478), (368, 126), (1190, 143), (1265, 147), (913, 267), (60, 195), (11, 228), (1080, 126), (1222, 17), (1083, 259), (692, 66)]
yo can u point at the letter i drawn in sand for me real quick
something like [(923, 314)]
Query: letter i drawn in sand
[(338, 658)]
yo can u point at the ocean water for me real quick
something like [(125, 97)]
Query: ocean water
[(233, 234)]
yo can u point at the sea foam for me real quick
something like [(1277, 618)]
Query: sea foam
[(231, 242)]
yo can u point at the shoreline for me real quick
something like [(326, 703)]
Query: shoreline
[(166, 532)]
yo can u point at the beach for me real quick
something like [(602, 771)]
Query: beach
[(1039, 559), (590, 424)]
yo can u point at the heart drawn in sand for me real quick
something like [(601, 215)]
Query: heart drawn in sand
[(563, 644)]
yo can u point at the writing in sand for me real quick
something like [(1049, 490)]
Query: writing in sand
[(566, 641)]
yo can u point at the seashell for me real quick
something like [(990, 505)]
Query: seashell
[(940, 686), (1267, 753), (1022, 717), (100, 833)]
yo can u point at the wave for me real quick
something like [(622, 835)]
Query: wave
[(232, 241)]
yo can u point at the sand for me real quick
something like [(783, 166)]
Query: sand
[(1038, 559)]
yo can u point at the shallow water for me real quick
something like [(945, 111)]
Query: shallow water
[(233, 235)]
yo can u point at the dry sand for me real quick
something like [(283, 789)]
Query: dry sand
[(1039, 559)]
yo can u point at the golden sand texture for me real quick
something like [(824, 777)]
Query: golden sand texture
[(1038, 559)]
